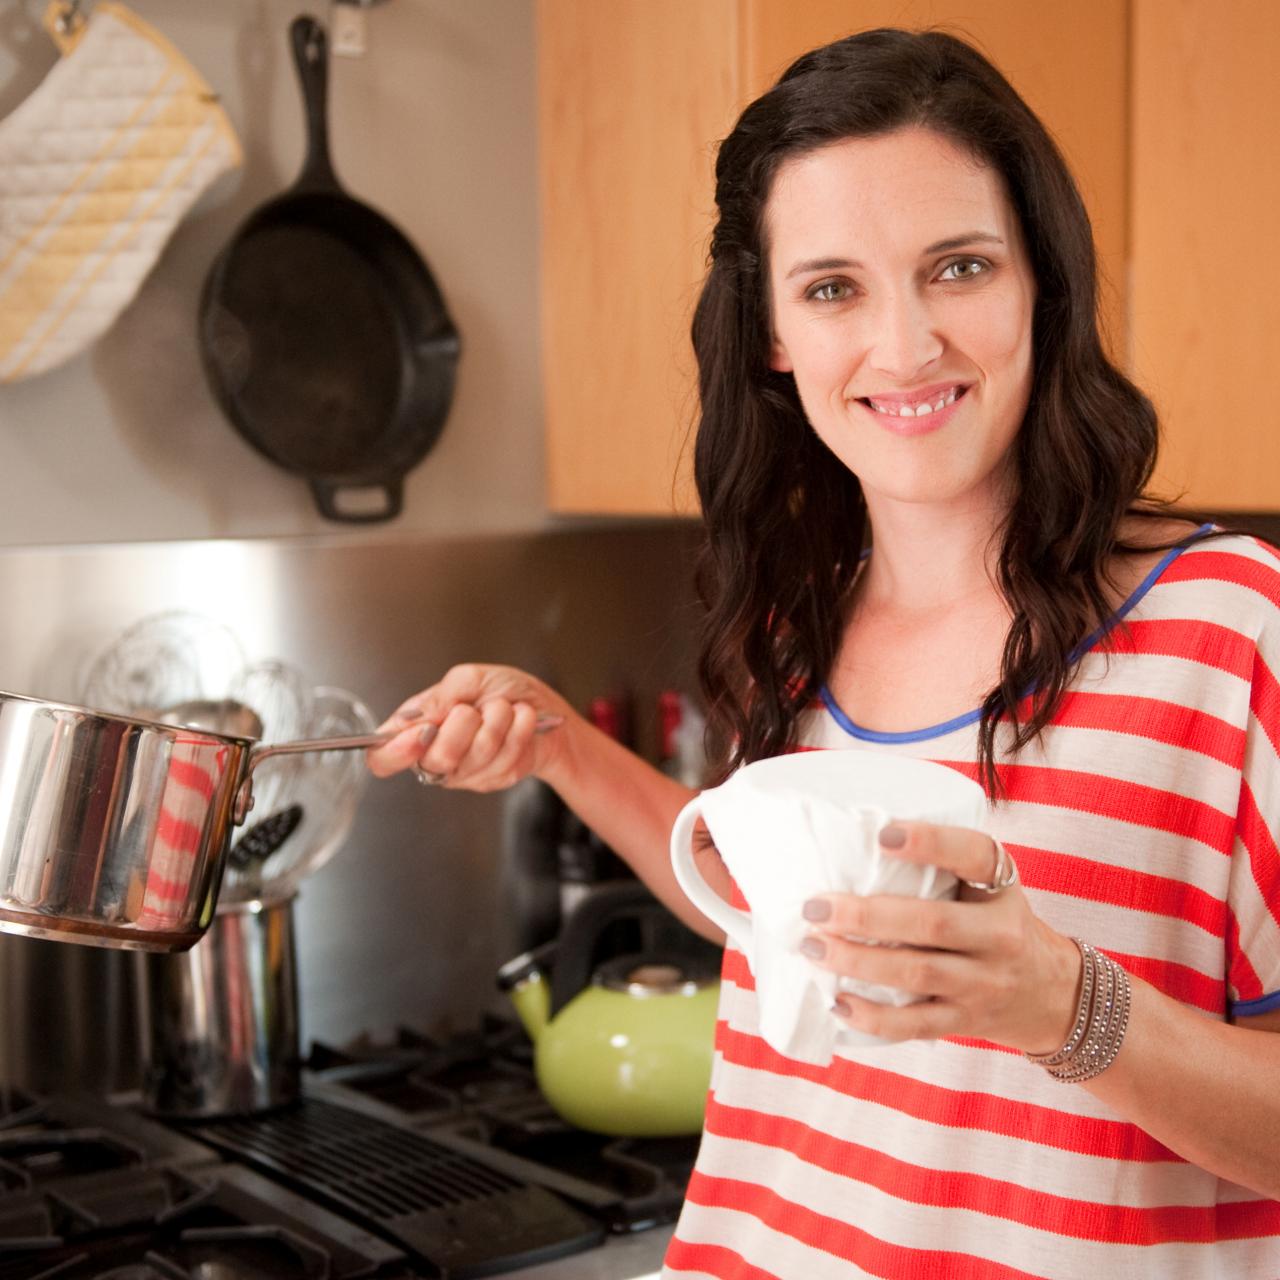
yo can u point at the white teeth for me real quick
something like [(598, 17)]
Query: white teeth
[(920, 410)]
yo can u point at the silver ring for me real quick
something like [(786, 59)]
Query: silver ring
[(427, 778), (1004, 876)]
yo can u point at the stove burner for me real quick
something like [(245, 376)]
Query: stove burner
[(155, 1269), (428, 1095), (152, 1269), (249, 1253), (477, 1095), (456, 1213), (402, 1161), (222, 1223), (227, 1253), (28, 1159), (17, 1107), (61, 1140)]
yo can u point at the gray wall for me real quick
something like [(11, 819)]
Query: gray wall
[(123, 492), (409, 921), (434, 126)]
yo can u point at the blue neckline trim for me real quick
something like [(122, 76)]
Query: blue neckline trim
[(971, 717), (1263, 1004), (912, 735)]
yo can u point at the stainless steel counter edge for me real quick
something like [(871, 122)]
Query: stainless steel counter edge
[(632, 1257)]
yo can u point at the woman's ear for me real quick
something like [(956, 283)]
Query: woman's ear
[(779, 361)]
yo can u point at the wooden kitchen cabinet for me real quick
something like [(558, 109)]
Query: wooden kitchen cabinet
[(1205, 310), (633, 96)]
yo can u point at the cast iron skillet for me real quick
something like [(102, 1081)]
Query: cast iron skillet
[(323, 334)]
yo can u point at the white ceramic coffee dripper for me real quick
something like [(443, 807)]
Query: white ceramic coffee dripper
[(804, 824)]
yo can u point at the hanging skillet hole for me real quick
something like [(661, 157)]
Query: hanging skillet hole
[(360, 502)]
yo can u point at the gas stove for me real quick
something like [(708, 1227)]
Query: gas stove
[(404, 1159), (89, 1191), (476, 1095)]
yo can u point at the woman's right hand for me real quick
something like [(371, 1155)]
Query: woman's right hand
[(476, 729)]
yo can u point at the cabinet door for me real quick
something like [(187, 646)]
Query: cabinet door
[(1206, 188), (1069, 61), (633, 95)]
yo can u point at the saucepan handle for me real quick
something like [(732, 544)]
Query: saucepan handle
[(244, 798), (358, 742)]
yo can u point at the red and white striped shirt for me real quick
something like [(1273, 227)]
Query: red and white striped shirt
[(1145, 820)]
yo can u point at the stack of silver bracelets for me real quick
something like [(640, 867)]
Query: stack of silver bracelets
[(1101, 1019)]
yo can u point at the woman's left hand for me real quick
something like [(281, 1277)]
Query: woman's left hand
[(987, 965)]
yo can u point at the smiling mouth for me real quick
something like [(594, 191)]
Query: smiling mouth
[(919, 409)]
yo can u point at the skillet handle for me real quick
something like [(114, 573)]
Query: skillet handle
[(311, 58), (326, 496)]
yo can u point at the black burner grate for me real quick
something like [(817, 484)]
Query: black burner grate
[(384, 1171), (477, 1094), (17, 1107), (452, 1211), (29, 1158)]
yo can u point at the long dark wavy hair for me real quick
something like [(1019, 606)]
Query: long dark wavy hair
[(785, 522)]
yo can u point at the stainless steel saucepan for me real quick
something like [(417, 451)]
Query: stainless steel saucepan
[(114, 830)]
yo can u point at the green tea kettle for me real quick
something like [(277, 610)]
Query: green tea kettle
[(621, 1047)]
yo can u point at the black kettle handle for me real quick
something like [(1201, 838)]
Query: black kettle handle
[(311, 59), (603, 906)]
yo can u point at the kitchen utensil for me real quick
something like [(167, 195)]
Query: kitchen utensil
[(281, 697), (625, 1049), (262, 840), (223, 715), (826, 809), (323, 334), (114, 829), (163, 660), (329, 790), (278, 694), (220, 1021), (97, 167)]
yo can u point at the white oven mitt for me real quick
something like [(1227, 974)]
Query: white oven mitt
[(97, 167)]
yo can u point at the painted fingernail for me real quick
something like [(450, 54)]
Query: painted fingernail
[(892, 838), (409, 714), (814, 948), (427, 734), (817, 909)]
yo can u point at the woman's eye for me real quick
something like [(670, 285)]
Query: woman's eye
[(963, 269), (829, 291)]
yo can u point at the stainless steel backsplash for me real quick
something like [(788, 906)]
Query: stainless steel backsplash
[(408, 922)]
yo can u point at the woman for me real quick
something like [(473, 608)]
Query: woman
[(898, 351)]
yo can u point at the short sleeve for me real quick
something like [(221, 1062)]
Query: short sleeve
[(1253, 936)]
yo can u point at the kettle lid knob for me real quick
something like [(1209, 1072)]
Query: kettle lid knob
[(652, 976)]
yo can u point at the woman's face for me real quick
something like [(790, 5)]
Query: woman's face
[(902, 300)]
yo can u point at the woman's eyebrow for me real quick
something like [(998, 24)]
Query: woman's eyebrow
[(823, 264), (959, 242), (939, 246)]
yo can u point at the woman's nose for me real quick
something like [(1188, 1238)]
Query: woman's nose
[(905, 339)]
